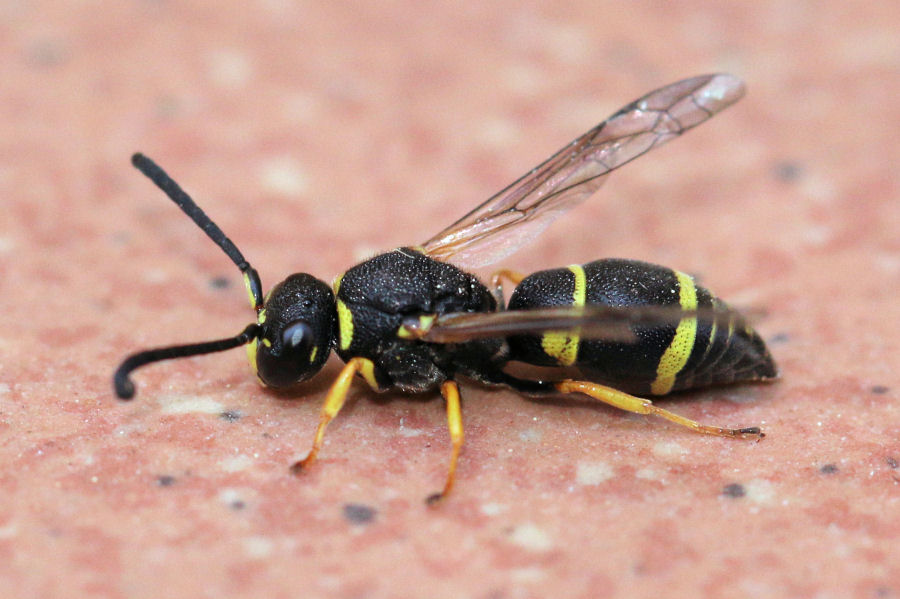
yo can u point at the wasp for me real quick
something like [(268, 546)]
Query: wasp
[(414, 319)]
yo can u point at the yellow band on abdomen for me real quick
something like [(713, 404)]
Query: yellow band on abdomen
[(563, 345), (679, 350)]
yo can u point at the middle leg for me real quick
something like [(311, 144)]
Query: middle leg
[(450, 392)]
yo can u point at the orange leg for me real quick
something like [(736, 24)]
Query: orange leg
[(450, 391), (639, 405), (334, 401)]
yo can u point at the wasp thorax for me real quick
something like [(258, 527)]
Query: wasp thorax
[(298, 327)]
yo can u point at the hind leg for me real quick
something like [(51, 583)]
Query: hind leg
[(640, 405)]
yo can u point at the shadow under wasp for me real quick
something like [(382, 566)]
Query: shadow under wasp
[(413, 319)]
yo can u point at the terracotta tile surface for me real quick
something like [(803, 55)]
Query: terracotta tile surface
[(316, 134)]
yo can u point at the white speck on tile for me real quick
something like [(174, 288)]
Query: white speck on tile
[(405, 431), (669, 449), (8, 531), (229, 68), (522, 78), (257, 547), (593, 473), (498, 133), (526, 575), (236, 463), (6, 245), (283, 175), (760, 491), (567, 43), (492, 509), (127, 429), (331, 583), (154, 275), (531, 537), (300, 106), (231, 496), (189, 404), (648, 474), (531, 435), (888, 262), (4, 389), (817, 235)]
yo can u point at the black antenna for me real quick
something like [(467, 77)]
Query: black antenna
[(125, 388), (189, 207)]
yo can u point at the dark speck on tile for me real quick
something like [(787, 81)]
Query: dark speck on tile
[(829, 469), (879, 389), (779, 338), (220, 282), (734, 490), (358, 513), (788, 171), (165, 480), (231, 415), (48, 53), (892, 462)]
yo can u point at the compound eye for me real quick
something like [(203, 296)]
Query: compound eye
[(297, 336)]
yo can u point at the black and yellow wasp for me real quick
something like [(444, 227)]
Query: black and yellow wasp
[(413, 320)]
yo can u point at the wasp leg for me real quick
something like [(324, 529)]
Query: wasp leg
[(639, 405), (450, 392), (513, 276), (334, 401)]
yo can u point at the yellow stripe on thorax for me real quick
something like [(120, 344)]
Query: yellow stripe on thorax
[(345, 318), (563, 345), (251, 355), (679, 350)]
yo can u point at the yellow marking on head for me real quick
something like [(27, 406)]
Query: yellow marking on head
[(367, 370), (563, 345), (345, 325), (266, 342), (679, 350), (336, 284), (249, 291), (251, 355), (313, 353)]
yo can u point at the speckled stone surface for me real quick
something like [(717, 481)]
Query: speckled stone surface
[(316, 134)]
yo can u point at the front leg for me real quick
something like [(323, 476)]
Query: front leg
[(334, 401)]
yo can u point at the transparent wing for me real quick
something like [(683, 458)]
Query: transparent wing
[(611, 323), (517, 214)]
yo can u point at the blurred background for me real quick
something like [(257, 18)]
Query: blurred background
[(317, 134)]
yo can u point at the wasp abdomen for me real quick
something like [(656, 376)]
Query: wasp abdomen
[(703, 348)]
